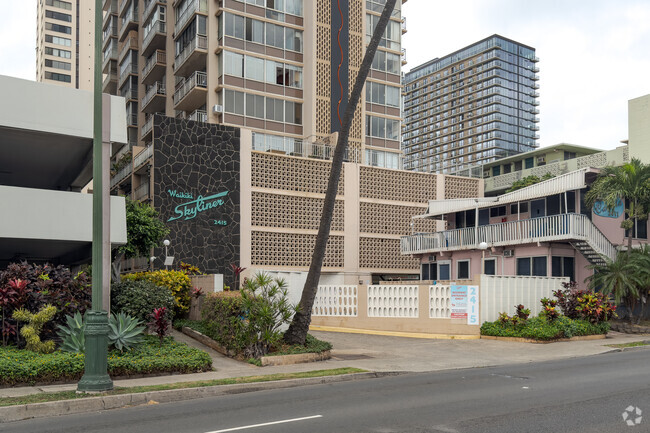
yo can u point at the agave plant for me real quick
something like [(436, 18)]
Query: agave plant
[(124, 331), (73, 333)]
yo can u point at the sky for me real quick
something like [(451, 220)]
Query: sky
[(594, 54)]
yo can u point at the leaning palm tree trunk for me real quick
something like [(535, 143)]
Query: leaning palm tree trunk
[(297, 331)]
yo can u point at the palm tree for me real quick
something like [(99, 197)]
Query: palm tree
[(623, 278), (297, 331), (629, 181)]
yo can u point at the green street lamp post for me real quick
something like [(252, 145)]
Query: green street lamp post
[(96, 378)]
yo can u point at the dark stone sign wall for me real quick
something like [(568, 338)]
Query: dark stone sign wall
[(197, 192)]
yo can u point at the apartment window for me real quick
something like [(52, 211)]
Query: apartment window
[(293, 76), (535, 266), (386, 62), (529, 162), (57, 77), (293, 112), (293, 39), (255, 2), (563, 267), (58, 65), (569, 155), (379, 158), (489, 266), (293, 7), (234, 102), (379, 93), (462, 269), (523, 208), (234, 64), (58, 53), (59, 4), (275, 35), (57, 40), (234, 25), (640, 229), (58, 16), (275, 109), (255, 106), (254, 31), (391, 37), (497, 211), (496, 170), (58, 28), (254, 68), (382, 128)]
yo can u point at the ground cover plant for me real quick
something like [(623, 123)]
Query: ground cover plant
[(19, 366)]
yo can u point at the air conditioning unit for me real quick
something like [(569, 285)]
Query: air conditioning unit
[(217, 109), (508, 253), (541, 159)]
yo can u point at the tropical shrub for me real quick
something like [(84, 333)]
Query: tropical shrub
[(32, 331), (522, 312), (72, 334), (189, 269), (177, 281), (160, 323), (540, 328), (139, 298), (594, 307), (549, 309), (222, 314), (267, 308), (124, 332)]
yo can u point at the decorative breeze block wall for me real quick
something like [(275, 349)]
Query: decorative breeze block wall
[(392, 219), (340, 301), (292, 212), (393, 301), (439, 302), (292, 250), (461, 187), (323, 62), (385, 184), (288, 173), (377, 253)]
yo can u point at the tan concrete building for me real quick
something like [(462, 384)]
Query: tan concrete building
[(269, 66), (64, 43)]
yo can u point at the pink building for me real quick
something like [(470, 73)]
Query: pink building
[(541, 230)]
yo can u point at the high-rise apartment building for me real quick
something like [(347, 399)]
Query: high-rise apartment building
[(64, 42), (471, 107), (266, 65)]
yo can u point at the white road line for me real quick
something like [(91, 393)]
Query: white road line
[(266, 423)]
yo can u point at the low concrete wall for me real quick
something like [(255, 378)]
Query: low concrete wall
[(358, 317), (208, 283)]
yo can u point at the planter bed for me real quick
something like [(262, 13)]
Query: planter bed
[(279, 359), (531, 340)]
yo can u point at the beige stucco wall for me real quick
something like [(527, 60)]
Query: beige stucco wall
[(639, 128)]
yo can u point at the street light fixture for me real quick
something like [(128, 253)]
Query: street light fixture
[(483, 246)]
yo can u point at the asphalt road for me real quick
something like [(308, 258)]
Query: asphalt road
[(577, 395)]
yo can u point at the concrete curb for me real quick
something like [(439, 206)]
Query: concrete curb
[(93, 404)]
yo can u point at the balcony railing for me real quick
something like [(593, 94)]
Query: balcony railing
[(132, 119), (198, 116), (545, 229), (194, 7), (122, 174), (157, 88), (147, 127), (130, 94), (404, 56), (404, 30), (295, 147), (158, 58), (197, 79), (141, 192), (130, 44), (126, 71), (124, 150), (149, 7), (200, 42), (144, 155), (157, 27)]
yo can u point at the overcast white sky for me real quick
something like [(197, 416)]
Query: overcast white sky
[(594, 54)]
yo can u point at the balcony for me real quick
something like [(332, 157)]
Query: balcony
[(121, 175), (106, 4), (123, 3), (404, 62), (535, 86), (154, 38), (110, 13), (154, 68), (130, 44), (123, 151), (404, 30), (192, 57), (534, 59), (126, 71), (131, 94), (110, 58), (198, 116), (534, 94), (128, 22), (154, 100), (535, 77), (150, 6), (191, 92), (563, 227), (194, 7), (141, 193), (147, 129), (132, 120), (109, 85), (142, 157)]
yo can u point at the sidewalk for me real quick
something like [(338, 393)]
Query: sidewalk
[(377, 353)]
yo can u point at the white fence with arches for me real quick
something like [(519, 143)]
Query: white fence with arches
[(393, 301), (336, 301)]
